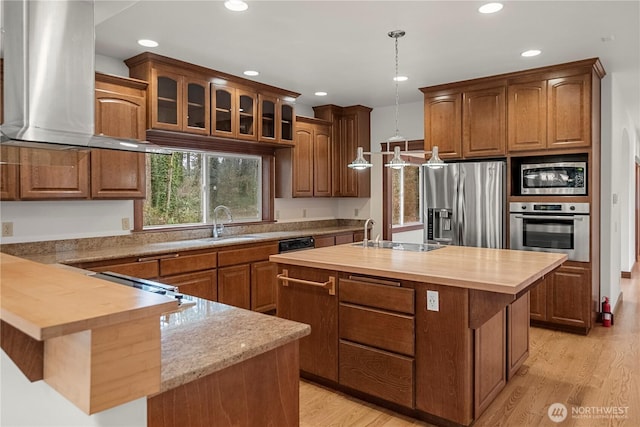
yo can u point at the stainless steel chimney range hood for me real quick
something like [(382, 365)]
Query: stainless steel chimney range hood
[(49, 78)]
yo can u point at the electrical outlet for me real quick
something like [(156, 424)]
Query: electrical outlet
[(433, 304), (277, 214), (304, 213), (125, 224), (356, 212), (7, 229)]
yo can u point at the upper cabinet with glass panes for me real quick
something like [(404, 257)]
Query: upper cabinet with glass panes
[(188, 98)]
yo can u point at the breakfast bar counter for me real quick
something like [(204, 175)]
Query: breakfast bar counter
[(102, 345)]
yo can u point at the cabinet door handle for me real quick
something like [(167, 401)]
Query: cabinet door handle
[(159, 257), (329, 284)]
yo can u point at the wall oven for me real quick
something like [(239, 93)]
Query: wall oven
[(558, 178), (551, 227)]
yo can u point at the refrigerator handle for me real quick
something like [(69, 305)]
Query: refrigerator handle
[(460, 201)]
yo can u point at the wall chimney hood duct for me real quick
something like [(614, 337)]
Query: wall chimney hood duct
[(49, 77)]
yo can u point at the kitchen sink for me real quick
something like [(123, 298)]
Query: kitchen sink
[(401, 246), (231, 238)]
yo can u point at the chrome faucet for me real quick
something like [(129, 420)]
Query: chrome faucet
[(365, 241), (217, 232)]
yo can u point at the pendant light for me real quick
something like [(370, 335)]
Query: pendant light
[(435, 162), (360, 163), (396, 162)]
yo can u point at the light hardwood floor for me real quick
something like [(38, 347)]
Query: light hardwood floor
[(599, 372)]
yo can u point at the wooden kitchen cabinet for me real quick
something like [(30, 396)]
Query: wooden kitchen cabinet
[(234, 285), (569, 112), (276, 119), (563, 298), (234, 112), (338, 239), (314, 306), (377, 328), (264, 286), (132, 266), (490, 376), (569, 296), (312, 159), (350, 129), (178, 99), (550, 113), (201, 284), (443, 124), (518, 334), (244, 278), (9, 170), (121, 113), (54, 174), (527, 115), (467, 121), (484, 122)]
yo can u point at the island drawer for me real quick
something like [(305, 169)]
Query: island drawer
[(188, 263), (385, 296), (377, 328), (378, 373)]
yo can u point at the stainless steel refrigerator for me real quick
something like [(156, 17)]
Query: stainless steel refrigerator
[(465, 204)]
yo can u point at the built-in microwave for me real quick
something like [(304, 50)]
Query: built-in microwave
[(562, 178)]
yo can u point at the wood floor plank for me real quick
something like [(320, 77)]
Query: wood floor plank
[(599, 372)]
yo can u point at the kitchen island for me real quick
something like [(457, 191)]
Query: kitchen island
[(434, 334), (129, 357)]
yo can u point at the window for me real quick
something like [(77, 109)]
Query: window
[(406, 191), (183, 188)]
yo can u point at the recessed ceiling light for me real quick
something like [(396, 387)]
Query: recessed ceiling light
[(531, 52), (320, 94), (236, 5), (251, 73), (490, 8), (148, 43), (401, 79)]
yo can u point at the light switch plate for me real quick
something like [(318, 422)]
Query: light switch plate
[(433, 303)]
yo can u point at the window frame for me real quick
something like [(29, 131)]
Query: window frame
[(265, 151), (387, 195)]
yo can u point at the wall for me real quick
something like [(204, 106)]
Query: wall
[(36, 404), (411, 126)]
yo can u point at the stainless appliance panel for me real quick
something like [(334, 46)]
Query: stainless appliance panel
[(464, 204), (558, 227), (559, 178), (481, 204)]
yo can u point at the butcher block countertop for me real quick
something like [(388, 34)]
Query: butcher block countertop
[(46, 302), (494, 270)]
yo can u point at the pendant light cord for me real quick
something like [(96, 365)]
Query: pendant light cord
[(397, 93)]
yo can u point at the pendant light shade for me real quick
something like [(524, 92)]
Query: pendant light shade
[(360, 163), (396, 162), (435, 162)]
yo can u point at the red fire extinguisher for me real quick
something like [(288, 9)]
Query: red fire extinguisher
[(606, 313)]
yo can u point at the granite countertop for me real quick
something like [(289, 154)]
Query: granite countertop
[(108, 251), (210, 336)]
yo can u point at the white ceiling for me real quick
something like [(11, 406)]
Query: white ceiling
[(342, 47)]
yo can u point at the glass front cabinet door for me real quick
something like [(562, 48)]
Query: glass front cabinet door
[(234, 112), (180, 103), (197, 106), (268, 118), (165, 112), (287, 122)]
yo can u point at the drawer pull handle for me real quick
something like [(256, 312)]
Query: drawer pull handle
[(159, 257), (329, 284)]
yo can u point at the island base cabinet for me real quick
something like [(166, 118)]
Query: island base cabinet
[(518, 334), (490, 375), (261, 391), (313, 305), (444, 355)]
